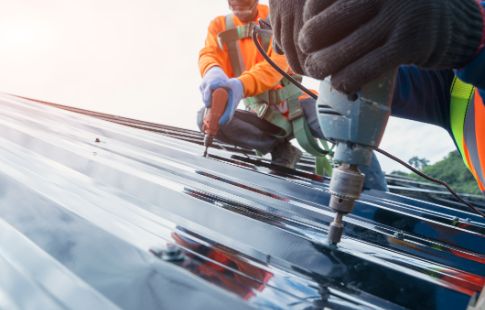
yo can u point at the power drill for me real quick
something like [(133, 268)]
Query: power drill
[(213, 115), (356, 124)]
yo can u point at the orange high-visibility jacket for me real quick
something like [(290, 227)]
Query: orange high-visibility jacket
[(259, 75)]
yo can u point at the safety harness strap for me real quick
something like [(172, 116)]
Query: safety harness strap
[(234, 33), (278, 95), (264, 104), (266, 111), (231, 38), (304, 136)]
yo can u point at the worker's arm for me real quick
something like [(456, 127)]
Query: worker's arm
[(211, 55), (423, 95), (474, 72), (356, 41), (214, 67), (263, 76), (256, 80)]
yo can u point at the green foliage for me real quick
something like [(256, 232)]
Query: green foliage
[(452, 170), (400, 173), (418, 163)]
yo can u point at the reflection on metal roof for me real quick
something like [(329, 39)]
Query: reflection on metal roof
[(99, 215)]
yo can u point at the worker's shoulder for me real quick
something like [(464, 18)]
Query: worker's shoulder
[(263, 11), (218, 23)]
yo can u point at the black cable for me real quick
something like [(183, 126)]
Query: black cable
[(276, 67), (427, 177), (396, 159)]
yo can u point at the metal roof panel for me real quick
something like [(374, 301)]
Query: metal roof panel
[(137, 218)]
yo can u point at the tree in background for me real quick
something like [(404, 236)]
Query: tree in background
[(418, 163), (451, 170)]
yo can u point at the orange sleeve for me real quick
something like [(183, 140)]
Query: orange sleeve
[(211, 55), (263, 76)]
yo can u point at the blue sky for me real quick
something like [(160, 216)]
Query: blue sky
[(136, 59)]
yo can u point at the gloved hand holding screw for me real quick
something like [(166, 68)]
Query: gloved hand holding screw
[(216, 78)]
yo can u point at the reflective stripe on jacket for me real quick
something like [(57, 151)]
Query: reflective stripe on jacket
[(467, 118)]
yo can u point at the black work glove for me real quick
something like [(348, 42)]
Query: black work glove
[(286, 18), (356, 41)]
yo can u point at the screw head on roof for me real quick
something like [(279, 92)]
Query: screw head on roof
[(171, 253), (97, 140), (399, 235)]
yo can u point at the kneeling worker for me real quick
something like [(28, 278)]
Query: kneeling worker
[(230, 60)]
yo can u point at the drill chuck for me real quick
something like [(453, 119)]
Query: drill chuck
[(345, 187)]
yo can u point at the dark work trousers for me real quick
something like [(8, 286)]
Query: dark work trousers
[(247, 130)]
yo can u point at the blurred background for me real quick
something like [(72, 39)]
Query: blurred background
[(138, 59)]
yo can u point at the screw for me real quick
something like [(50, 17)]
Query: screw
[(97, 140), (399, 235), (171, 253)]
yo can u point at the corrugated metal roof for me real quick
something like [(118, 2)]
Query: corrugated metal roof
[(87, 208)]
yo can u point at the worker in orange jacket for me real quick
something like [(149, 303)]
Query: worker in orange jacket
[(253, 77), (231, 60)]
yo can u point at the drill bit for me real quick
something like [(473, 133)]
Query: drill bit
[(213, 115), (336, 229), (345, 187), (208, 139)]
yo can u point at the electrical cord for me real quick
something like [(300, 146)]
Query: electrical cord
[(263, 53), (427, 177), (277, 68)]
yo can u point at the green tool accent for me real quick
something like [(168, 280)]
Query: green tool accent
[(461, 93)]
